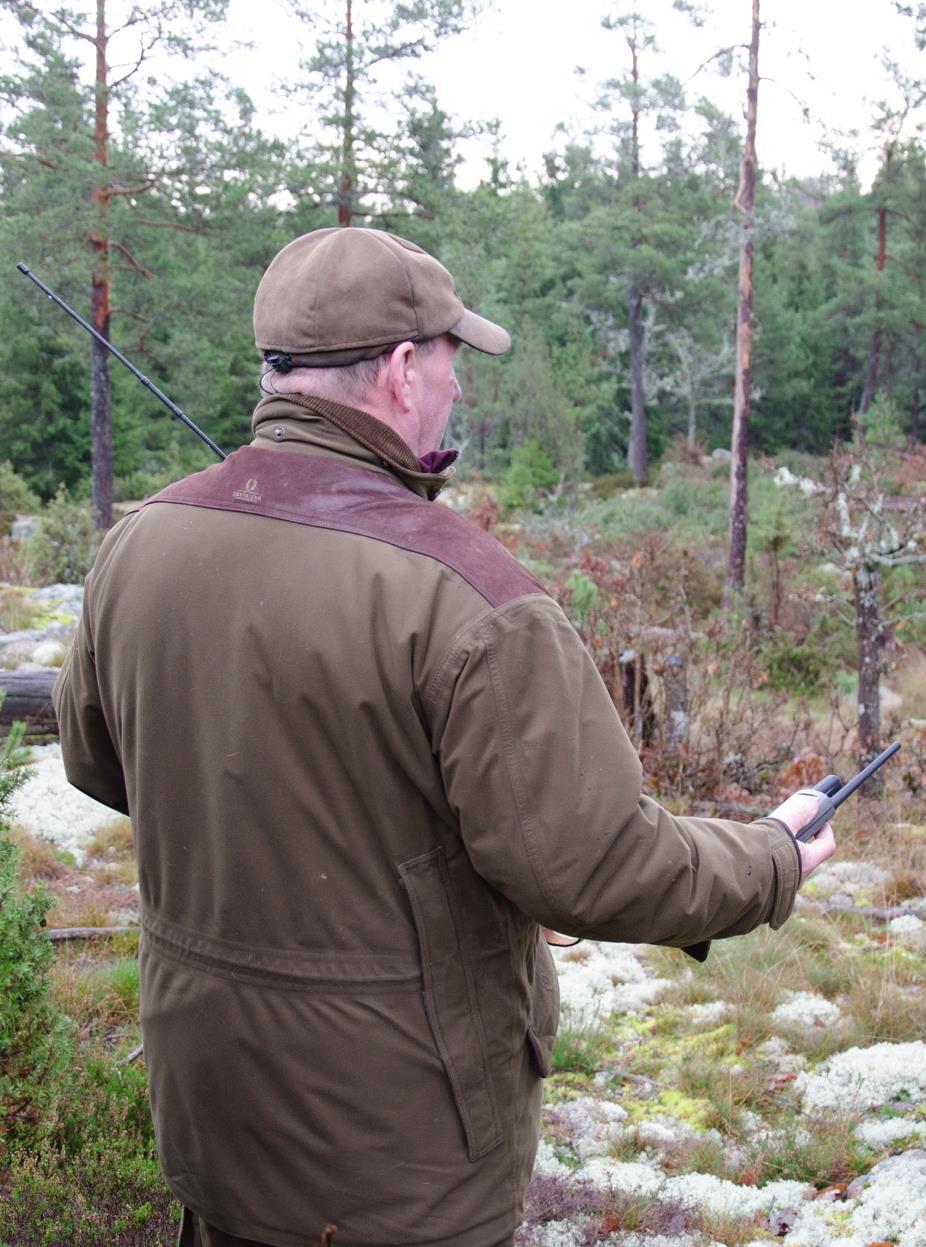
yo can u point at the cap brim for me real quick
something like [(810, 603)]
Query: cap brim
[(483, 335)]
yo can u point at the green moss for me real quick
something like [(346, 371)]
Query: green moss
[(563, 1086), (697, 1113)]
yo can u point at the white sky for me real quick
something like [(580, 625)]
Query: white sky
[(518, 64)]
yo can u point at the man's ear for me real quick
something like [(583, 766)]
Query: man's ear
[(399, 375)]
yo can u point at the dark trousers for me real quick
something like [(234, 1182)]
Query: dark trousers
[(194, 1232)]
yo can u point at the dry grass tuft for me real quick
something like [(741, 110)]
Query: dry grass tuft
[(111, 843), (39, 858), (100, 993), (910, 682), (18, 611)]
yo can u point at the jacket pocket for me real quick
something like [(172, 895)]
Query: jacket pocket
[(544, 1015), (451, 1001)]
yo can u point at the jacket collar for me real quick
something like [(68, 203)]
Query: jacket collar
[(299, 422)]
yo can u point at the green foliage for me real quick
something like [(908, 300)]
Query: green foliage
[(795, 668), (528, 479), (882, 425), (64, 545), (687, 506), (583, 594), (76, 1143), (113, 1194), (16, 498), (608, 483), (34, 1038)]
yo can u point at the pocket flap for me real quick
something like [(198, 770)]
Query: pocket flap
[(451, 1001)]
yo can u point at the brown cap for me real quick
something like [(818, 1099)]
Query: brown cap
[(337, 296)]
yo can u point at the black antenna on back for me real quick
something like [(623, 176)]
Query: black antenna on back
[(149, 385)]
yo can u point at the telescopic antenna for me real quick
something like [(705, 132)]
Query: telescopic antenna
[(857, 780), (149, 385)]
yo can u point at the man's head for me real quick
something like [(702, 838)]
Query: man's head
[(365, 318)]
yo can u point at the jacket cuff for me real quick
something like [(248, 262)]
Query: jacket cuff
[(788, 867)]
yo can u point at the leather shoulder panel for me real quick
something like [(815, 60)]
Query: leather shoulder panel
[(326, 493)]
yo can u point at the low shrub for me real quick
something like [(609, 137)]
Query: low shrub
[(113, 1193), (16, 498), (795, 668), (64, 545), (610, 483), (529, 478), (35, 1040)]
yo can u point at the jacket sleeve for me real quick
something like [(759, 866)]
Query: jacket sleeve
[(91, 761), (547, 789)]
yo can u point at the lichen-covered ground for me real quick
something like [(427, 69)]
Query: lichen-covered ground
[(776, 1093)]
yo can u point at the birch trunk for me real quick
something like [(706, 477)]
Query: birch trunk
[(865, 583), (636, 452)]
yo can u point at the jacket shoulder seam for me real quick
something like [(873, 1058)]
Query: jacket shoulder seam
[(462, 640)]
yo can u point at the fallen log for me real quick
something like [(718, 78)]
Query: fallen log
[(27, 696), (58, 934)]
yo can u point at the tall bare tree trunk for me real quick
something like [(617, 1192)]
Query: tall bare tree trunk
[(915, 407), (745, 202), (691, 438), (348, 165), (101, 437), (865, 583), (874, 351), (636, 449)]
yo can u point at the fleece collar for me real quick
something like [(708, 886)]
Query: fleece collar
[(299, 422)]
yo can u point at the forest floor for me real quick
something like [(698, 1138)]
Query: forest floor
[(776, 1092)]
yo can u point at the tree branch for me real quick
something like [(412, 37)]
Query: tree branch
[(113, 191), (715, 57), (142, 57), (68, 26), (174, 225), (805, 110), (135, 265)]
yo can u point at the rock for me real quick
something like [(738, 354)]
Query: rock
[(780, 1222), (49, 653), (19, 647), (721, 455), (67, 599), (889, 699), (23, 527)]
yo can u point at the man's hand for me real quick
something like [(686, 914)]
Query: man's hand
[(796, 813)]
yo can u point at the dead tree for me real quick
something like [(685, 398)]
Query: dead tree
[(867, 531), (745, 203)]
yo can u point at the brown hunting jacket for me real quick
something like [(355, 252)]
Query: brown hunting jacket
[(365, 755)]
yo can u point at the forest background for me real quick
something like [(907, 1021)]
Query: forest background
[(157, 190)]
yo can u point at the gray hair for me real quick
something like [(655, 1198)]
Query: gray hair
[(349, 384)]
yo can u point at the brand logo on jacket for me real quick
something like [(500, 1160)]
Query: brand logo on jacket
[(249, 493)]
